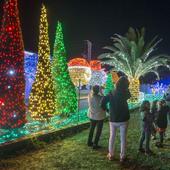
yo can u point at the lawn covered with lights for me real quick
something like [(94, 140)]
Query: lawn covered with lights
[(73, 154)]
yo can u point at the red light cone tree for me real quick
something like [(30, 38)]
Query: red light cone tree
[(12, 80)]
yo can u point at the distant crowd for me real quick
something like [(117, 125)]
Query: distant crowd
[(154, 118)]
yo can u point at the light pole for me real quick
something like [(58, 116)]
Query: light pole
[(89, 49)]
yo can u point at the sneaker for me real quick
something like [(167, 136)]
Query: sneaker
[(90, 144), (153, 137), (159, 145), (123, 159), (110, 157), (141, 150), (96, 147), (149, 152)]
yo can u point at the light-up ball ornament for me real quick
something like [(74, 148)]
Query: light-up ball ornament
[(79, 70), (95, 65)]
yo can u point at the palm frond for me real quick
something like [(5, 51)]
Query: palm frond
[(131, 55)]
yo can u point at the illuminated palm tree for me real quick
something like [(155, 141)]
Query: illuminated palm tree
[(131, 55)]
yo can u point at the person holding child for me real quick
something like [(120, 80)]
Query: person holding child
[(147, 123)]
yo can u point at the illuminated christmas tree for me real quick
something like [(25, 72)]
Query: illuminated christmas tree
[(109, 84), (42, 101), (66, 98), (12, 81)]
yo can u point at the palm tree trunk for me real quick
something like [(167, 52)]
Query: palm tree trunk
[(134, 89)]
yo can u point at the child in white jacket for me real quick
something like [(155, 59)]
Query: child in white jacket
[(96, 115)]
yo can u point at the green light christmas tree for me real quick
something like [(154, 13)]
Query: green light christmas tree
[(65, 92), (109, 84)]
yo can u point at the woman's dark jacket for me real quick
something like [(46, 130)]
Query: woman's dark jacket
[(118, 106)]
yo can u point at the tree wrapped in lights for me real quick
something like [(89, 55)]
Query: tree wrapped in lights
[(42, 100), (12, 81), (109, 84), (66, 97), (131, 55)]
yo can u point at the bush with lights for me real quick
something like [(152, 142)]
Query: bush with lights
[(98, 78), (109, 84)]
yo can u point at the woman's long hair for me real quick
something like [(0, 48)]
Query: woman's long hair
[(95, 90), (122, 84)]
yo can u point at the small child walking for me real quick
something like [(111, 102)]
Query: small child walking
[(154, 111), (163, 110), (147, 123)]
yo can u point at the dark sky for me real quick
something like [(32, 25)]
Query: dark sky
[(95, 20)]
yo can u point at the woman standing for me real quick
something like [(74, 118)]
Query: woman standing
[(119, 115), (96, 115)]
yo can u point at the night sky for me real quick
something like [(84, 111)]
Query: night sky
[(95, 20)]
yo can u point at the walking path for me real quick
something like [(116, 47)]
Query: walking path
[(73, 154)]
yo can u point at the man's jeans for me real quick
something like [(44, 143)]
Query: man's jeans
[(123, 131)]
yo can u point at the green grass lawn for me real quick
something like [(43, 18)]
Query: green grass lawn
[(73, 154)]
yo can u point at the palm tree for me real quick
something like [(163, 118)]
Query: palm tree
[(131, 55)]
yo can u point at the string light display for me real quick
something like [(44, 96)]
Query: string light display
[(131, 62), (115, 77), (42, 100), (30, 65), (134, 89), (65, 92), (80, 71), (109, 84), (95, 65), (98, 78), (12, 81)]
